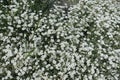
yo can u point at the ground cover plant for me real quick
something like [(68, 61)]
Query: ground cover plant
[(79, 42)]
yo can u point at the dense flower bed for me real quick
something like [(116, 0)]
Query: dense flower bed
[(82, 43)]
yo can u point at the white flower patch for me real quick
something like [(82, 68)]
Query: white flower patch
[(78, 42)]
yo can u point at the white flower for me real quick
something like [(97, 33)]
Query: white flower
[(54, 62), (1, 11), (1, 70), (14, 9), (24, 68), (19, 21), (9, 74), (9, 54), (90, 77)]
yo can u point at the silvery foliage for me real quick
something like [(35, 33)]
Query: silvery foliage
[(82, 44)]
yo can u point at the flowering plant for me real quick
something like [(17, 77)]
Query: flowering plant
[(82, 43)]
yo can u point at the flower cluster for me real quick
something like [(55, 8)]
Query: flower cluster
[(81, 42)]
